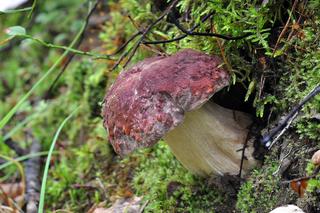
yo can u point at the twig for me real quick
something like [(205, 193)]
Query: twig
[(70, 49), (32, 178), (144, 34), (301, 178), (16, 207), (299, 19), (243, 157), (284, 30), (5, 198), (15, 147), (120, 49), (283, 130), (182, 36), (123, 46), (84, 186), (143, 206), (281, 160), (191, 33), (267, 138), (49, 91), (221, 47)]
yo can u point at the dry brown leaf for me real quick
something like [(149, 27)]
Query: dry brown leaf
[(129, 205), (12, 190)]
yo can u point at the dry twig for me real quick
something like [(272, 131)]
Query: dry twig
[(32, 178)]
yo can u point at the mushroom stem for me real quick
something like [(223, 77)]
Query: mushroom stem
[(209, 139)]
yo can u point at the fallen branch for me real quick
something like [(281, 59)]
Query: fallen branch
[(32, 170), (267, 139), (15, 147)]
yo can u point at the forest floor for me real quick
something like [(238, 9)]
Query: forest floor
[(275, 67)]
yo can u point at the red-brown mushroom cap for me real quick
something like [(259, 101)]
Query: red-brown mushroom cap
[(150, 98)]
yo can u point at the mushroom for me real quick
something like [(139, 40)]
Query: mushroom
[(287, 209), (167, 97)]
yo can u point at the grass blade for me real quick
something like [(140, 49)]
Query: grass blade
[(23, 158), (15, 11), (46, 168), (20, 168)]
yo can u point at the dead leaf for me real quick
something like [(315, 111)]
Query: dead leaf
[(299, 186), (128, 205), (12, 190)]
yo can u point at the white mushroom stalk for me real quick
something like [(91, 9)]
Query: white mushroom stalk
[(209, 139)]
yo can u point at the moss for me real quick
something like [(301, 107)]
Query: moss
[(250, 61), (261, 192), (85, 158), (73, 175), (299, 74), (168, 186)]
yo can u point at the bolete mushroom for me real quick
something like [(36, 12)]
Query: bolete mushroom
[(167, 97)]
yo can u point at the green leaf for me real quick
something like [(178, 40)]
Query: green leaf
[(15, 11), (15, 31), (250, 89)]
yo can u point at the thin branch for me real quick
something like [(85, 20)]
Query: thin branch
[(191, 32), (49, 91), (221, 47), (15, 147), (281, 161), (284, 30), (267, 138), (124, 54), (166, 41), (123, 46), (134, 50), (182, 36), (283, 130), (301, 178), (243, 150), (70, 49), (32, 178), (144, 34), (225, 37), (120, 49)]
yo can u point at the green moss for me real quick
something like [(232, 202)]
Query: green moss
[(154, 173), (72, 174), (261, 192), (301, 75), (168, 186), (313, 183)]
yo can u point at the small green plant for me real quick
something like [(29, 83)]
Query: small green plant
[(313, 183), (260, 193), (46, 170), (168, 186)]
